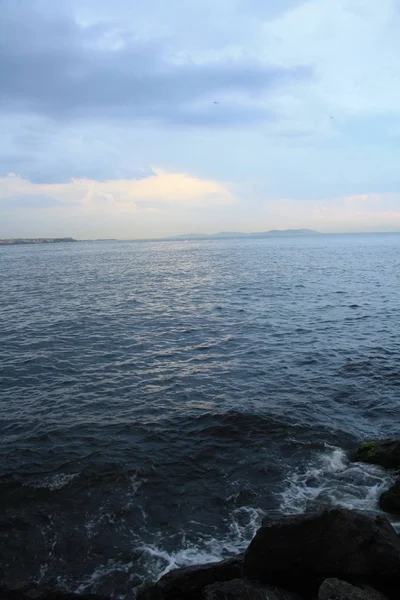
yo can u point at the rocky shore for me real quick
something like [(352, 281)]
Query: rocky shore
[(384, 454), (335, 554)]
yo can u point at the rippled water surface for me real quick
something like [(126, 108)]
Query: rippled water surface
[(158, 398)]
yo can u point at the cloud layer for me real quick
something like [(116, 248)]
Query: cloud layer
[(241, 105), (55, 67)]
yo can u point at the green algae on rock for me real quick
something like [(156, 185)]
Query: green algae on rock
[(384, 454)]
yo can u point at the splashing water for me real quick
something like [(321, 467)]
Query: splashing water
[(334, 481), (244, 523)]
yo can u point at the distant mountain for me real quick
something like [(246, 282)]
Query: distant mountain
[(238, 234), (292, 232), (186, 236)]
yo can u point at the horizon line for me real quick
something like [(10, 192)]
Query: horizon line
[(304, 232)]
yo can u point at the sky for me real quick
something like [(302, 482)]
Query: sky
[(150, 118)]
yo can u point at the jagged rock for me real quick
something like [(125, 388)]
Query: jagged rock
[(385, 454), (242, 589), (390, 500), (188, 583), (299, 552), (335, 589)]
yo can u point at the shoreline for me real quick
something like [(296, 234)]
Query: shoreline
[(353, 555)]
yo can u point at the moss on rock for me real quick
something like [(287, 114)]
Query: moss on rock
[(384, 454), (370, 449)]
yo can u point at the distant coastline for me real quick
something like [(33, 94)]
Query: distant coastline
[(223, 235), (189, 236), (20, 241)]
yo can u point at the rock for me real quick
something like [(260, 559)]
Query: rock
[(149, 591), (373, 593), (334, 589), (188, 583), (242, 589), (385, 454), (299, 552), (34, 593), (390, 500)]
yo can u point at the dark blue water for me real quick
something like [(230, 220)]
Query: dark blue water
[(156, 399)]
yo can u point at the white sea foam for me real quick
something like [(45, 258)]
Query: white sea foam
[(100, 572), (136, 483), (158, 561), (55, 482), (244, 523), (332, 480), (329, 479)]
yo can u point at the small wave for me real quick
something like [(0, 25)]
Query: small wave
[(244, 523), (113, 578), (203, 405), (135, 483), (332, 480), (56, 482)]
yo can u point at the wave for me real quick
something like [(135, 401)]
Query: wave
[(244, 523), (328, 479), (55, 482), (332, 480)]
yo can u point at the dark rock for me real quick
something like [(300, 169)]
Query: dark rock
[(188, 583), (149, 591), (334, 589), (34, 593), (385, 454), (242, 589), (373, 593), (299, 552), (390, 500)]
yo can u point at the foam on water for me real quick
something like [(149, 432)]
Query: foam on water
[(55, 482), (157, 560), (328, 479), (100, 573), (135, 483), (242, 528), (332, 480)]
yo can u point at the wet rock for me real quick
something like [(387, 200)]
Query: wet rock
[(299, 552), (390, 500), (188, 583), (385, 454), (149, 591), (242, 589), (334, 589)]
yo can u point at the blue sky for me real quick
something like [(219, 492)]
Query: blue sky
[(150, 118)]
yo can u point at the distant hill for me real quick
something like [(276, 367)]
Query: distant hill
[(237, 234), (292, 232)]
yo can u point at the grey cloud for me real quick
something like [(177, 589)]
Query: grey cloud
[(52, 66), (42, 152)]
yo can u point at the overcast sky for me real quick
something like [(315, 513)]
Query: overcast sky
[(145, 118)]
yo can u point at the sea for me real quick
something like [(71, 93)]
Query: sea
[(159, 399)]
